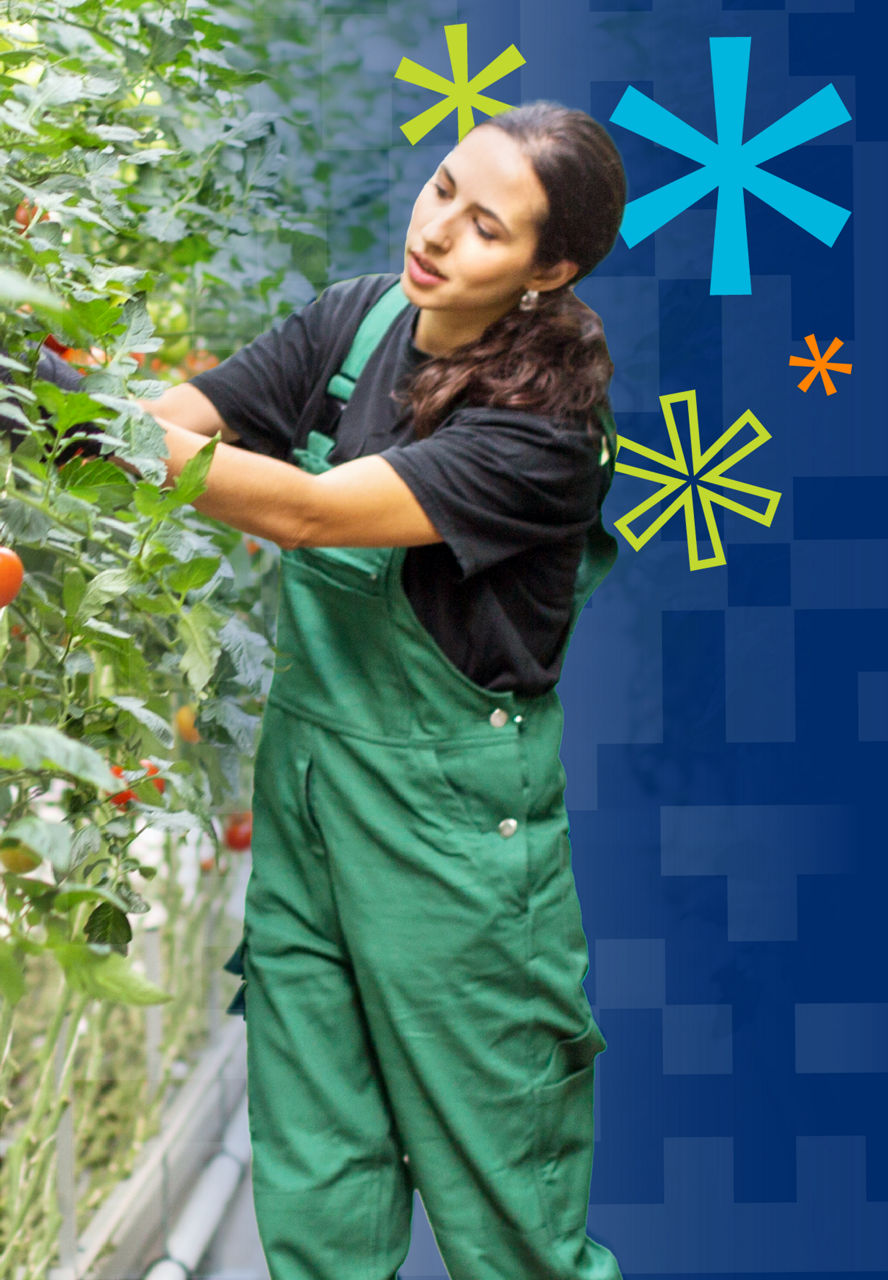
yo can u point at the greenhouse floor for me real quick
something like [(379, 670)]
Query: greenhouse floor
[(237, 1255)]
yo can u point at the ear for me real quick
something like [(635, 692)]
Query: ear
[(553, 277)]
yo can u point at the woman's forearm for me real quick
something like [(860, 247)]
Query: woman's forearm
[(360, 503)]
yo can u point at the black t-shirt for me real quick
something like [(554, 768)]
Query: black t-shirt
[(511, 493)]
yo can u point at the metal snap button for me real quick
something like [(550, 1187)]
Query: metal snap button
[(519, 719), (499, 717), (507, 827)]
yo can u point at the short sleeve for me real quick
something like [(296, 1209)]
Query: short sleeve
[(261, 390), (496, 482)]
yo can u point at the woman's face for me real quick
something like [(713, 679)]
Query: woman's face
[(472, 238)]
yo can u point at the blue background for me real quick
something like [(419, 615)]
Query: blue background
[(726, 728)]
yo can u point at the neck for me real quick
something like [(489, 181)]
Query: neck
[(437, 333)]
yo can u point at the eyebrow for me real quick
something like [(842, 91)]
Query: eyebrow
[(480, 207)]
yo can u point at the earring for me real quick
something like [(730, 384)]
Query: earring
[(528, 300)]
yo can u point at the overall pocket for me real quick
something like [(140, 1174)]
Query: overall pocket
[(564, 1103), (359, 569), (478, 784)]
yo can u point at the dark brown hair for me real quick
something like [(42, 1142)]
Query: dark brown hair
[(553, 359)]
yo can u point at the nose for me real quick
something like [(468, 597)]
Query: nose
[(436, 232)]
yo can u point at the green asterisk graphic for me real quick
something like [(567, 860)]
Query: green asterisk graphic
[(460, 94), (696, 477)]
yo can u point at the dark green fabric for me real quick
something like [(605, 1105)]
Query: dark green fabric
[(413, 950)]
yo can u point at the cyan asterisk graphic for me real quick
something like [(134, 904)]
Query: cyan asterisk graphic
[(697, 477), (460, 94), (731, 165)]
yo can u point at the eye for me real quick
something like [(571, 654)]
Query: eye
[(484, 233), (442, 191)]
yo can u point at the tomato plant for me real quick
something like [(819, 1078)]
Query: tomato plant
[(12, 575), (238, 833)]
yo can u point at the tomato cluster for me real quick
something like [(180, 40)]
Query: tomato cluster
[(124, 798)]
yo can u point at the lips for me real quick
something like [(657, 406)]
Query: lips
[(425, 265)]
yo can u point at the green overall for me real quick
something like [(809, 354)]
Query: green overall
[(413, 951)]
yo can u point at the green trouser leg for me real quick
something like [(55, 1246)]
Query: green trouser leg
[(331, 1188)]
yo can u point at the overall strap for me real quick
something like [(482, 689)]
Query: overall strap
[(369, 334)]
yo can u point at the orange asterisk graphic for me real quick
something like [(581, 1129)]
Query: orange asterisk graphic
[(820, 364)]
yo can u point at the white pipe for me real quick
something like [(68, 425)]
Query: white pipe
[(203, 1105), (200, 1219)]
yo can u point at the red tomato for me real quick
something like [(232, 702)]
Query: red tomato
[(12, 575), (24, 214), (120, 798), (54, 345), (239, 831)]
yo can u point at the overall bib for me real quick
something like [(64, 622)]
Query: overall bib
[(413, 952)]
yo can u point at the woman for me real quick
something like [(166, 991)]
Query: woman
[(413, 951)]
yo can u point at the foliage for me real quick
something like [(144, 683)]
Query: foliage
[(130, 155)]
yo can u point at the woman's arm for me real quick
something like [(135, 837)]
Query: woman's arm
[(363, 503), (191, 409)]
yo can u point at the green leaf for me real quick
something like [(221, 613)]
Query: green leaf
[(193, 574), (73, 590), (239, 724), (108, 924), (249, 651), (198, 629), (106, 977), (41, 749), (96, 480), (68, 408), (98, 627), (51, 840), (192, 480), (86, 843), (150, 720), (138, 328), (151, 501), (105, 586), (79, 663), (74, 894), (12, 978), (134, 902), (16, 290)]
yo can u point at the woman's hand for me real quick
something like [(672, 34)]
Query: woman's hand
[(363, 503)]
